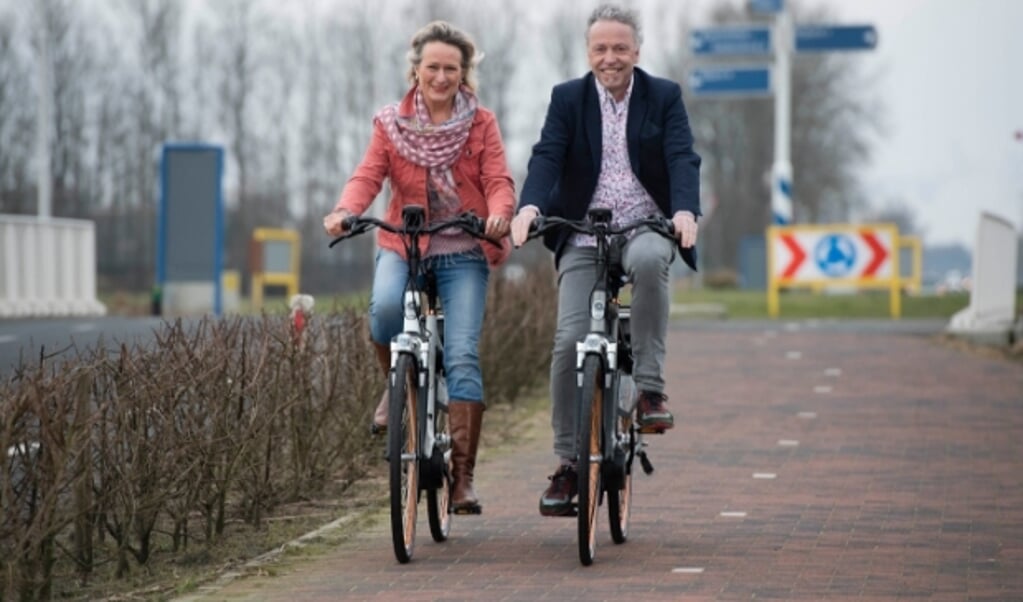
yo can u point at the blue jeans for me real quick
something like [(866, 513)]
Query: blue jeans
[(462, 288)]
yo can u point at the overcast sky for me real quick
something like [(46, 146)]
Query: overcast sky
[(951, 79)]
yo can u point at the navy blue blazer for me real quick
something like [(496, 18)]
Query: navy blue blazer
[(565, 163)]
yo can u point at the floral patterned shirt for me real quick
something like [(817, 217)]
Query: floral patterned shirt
[(618, 188)]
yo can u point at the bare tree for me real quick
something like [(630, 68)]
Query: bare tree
[(16, 122)]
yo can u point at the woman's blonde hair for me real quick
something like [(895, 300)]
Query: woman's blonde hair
[(442, 31)]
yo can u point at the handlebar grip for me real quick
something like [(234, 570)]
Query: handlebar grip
[(349, 222)]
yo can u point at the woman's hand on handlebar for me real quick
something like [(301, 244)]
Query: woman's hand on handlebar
[(334, 222), (497, 227)]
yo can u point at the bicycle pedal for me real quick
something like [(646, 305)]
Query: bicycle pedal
[(652, 430), (378, 429)]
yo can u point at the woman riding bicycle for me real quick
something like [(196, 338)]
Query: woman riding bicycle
[(442, 151)]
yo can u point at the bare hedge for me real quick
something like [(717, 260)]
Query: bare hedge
[(112, 455)]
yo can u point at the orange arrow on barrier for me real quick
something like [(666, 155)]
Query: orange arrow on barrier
[(798, 255), (879, 253)]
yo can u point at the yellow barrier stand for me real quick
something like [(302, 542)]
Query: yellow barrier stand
[(273, 261), (914, 281)]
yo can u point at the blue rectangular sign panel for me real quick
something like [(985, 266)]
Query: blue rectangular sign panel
[(731, 80), (814, 38), (754, 40), (766, 6)]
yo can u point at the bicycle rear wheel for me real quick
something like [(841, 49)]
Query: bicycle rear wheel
[(590, 457), (438, 499), (403, 455), (619, 499)]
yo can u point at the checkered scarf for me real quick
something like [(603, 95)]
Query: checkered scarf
[(435, 147)]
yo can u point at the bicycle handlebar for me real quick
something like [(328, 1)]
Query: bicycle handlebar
[(469, 223), (656, 223)]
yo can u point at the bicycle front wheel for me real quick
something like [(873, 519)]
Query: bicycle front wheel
[(590, 456), (403, 455)]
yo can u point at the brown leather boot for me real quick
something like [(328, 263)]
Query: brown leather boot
[(379, 425), (465, 419)]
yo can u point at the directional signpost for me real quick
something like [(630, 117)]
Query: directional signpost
[(826, 39), (744, 81), (757, 40), (722, 41)]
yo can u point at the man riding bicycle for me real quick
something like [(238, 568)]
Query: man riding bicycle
[(617, 138)]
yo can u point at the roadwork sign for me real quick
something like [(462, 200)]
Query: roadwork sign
[(847, 255)]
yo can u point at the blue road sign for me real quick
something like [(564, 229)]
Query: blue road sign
[(754, 40), (766, 6), (734, 81), (815, 38)]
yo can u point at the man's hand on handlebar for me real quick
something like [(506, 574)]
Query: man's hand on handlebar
[(333, 222), (685, 228), (520, 225)]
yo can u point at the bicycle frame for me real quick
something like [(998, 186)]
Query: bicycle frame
[(418, 452), (607, 437)]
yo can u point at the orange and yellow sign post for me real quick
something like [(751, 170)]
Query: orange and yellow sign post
[(835, 255)]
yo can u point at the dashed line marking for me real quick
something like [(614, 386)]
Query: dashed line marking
[(765, 475), (807, 415), (731, 514), (788, 442), (87, 327), (7, 338), (794, 355), (822, 389), (833, 372), (688, 570)]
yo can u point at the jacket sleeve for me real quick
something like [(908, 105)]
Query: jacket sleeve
[(681, 158), (548, 158), (498, 185), (365, 183)]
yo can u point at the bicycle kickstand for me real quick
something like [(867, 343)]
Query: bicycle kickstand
[(645, 462)]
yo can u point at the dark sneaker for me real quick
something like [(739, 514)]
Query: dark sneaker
[(557, 499), (651, 414)]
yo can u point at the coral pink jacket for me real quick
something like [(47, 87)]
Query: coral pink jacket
[(481, 174)]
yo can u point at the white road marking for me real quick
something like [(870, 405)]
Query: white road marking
[(794, 355), (822, 389), (807, 415), (729, 514), (833, 372), (87, 327), (689, 570), (764, 475), (7, 338), (788, 442)]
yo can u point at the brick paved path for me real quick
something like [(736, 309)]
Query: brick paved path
[(809, 463)]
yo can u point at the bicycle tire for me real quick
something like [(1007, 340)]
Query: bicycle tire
[(590, 456), (619, 500), (438, 499), (403, 455)]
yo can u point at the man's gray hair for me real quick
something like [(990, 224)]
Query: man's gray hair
[(613, 12)]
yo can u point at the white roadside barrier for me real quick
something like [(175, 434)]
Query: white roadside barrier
[(47, 267), (991, 314)]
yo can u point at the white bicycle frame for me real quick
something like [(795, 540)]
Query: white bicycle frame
[(424, 347)]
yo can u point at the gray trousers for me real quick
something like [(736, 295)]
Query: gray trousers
[(647, 261)]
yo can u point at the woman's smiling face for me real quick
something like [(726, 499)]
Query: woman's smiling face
[(439, 73)]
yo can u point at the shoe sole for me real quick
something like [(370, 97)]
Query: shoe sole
[(655, 428), (571, 510)]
